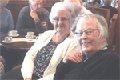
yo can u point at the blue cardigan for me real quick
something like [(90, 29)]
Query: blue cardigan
[(6, 22)]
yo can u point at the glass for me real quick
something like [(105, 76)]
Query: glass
[(62, 19), (88, 32)]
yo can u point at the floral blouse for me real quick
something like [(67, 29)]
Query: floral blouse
[(43, 57)]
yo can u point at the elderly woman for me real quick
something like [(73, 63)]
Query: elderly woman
[(98, 62), (6, 19), (42, 58)]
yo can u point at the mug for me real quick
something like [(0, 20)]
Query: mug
[(8, 39)]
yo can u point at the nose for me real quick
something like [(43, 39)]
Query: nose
[(60, 21), (84, 35)]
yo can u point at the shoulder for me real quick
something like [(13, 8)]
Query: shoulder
[(47, 34), (44, 11), (110, 56), (6, 10), (25, 9)]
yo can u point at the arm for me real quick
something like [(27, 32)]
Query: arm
[(20, 25), (63, 69), (42, 23), (28, 63), (11, 22)]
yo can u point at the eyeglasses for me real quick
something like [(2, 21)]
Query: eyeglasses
[(88, 32), (62, 19), (36, 4)]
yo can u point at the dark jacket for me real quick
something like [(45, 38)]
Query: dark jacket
[(102, 65)]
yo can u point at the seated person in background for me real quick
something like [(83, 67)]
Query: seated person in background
[(6, 19), (42, 58), (33, 18), (106, 4), (91, 3), (79, 10), (98, 62)]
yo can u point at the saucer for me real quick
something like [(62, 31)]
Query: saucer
[(30, 37), (14, 35), (6, 42)]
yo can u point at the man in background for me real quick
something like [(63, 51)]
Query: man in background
[(33, 18), (79, 10), (106, 4)]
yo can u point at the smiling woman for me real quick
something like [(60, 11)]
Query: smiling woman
[(42, 59), (98, 62)]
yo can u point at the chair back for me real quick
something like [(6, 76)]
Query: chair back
[(104, 12), (113, 39)]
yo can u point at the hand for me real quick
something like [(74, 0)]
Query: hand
[(43, 23), (3, 60), (28, 79), (34, 15), (74, 56)]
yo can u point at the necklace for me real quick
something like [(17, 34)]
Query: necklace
[(84, 59)]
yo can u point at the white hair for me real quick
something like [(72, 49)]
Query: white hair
[(31, 0), (100, 23), (62, 6)]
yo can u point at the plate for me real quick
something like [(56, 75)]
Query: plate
[(14, 35)]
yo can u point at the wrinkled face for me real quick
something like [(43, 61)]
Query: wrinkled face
[(37, 5), (62, 22), (88, 36)]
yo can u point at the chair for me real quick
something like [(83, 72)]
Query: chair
[(114, 36), (104, 12)]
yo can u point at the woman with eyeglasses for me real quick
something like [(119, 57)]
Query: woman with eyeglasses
[(53, 45), (98, 61)]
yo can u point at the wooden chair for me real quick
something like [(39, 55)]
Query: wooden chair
[(114, 36), (101, 11)]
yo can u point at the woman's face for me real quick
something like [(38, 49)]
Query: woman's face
[(62, 22), (89, 40)]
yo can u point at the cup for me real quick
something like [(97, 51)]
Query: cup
[(30, 35), (13, 33), (8, 39)]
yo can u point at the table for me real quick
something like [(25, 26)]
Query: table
[(18, 45), (15, 52)]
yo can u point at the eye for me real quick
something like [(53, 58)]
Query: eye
[(80, 32), (63, 19), (89, 31), (56, 19)]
